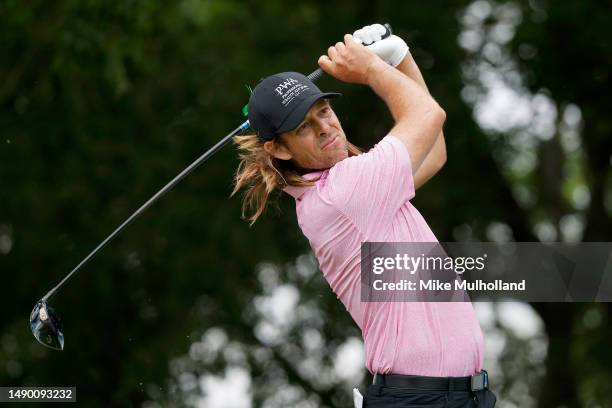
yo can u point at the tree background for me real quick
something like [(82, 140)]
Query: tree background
[(102, 103)]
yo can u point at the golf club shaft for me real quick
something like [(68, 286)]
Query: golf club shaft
[(313, 76), (245, 125)]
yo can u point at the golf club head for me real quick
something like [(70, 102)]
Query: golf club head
[(46, 326)]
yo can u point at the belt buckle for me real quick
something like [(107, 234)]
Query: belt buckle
[(480, 381)]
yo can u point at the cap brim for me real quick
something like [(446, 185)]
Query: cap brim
[(297, 116)]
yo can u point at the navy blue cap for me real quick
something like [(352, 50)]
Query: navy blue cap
[(280, 102)]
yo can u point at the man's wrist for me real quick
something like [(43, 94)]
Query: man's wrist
[(400, 50), (404, 65), (374, 69), (409, 68)]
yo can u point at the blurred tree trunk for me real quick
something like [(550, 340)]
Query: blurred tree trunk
[(559, 386), (598, 148), (550, 172)]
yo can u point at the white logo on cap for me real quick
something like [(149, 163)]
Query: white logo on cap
[(290, 89)]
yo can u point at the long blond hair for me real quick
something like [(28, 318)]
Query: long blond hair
[(261, 174)]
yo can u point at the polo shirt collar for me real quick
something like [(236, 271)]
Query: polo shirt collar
[(297, 192)]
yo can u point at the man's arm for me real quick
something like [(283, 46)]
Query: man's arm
[(418, 117), (420, 131), (436, 157)]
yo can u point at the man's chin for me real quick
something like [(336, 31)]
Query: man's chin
[(329, 163), (338, 159)]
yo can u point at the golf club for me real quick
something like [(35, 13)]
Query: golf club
[(44, 323)]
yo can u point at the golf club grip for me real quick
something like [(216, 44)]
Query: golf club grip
[(318, 73)]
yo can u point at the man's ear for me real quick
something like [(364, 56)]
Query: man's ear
[(277, 150)]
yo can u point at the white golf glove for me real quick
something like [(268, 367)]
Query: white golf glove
[(392, 49)]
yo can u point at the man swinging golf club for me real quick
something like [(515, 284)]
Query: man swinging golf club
[(421, 353)]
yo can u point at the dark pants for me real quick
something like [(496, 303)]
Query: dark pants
[(378, 396)]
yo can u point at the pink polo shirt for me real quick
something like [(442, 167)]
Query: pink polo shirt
[(367, 198)]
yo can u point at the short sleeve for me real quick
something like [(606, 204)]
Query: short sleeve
[(372, 187)]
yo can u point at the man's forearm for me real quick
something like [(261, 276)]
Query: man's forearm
[(418, 117), (409, 68), (437, 155), (405, 98)]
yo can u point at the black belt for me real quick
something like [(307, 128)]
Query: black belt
[(476, 382)]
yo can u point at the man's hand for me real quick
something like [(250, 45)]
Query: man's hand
[(392, 49), (349, 61)]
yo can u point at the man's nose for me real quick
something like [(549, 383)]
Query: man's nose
[(323, 127)]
